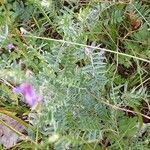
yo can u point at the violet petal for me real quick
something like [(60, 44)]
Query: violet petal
[(30, 96), (10, 46)]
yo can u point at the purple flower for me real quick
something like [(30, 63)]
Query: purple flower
[(10, 46), (30, 96)]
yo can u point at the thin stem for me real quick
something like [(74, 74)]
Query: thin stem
[(141, 84), (87, 46), (116, 107)]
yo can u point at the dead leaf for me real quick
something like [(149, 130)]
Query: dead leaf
[(9, 138), (135, 22)]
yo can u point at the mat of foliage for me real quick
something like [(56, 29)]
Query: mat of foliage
[(75, 74)]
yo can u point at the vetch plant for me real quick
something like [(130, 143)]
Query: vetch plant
[(91, 70)]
